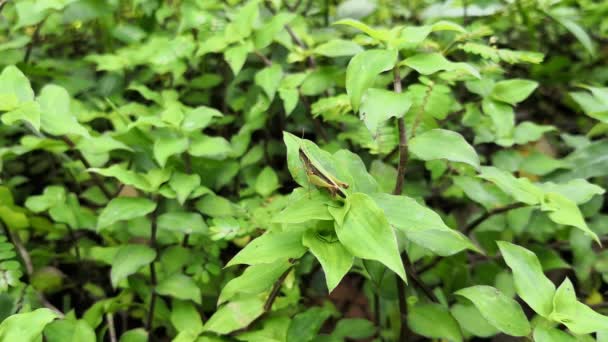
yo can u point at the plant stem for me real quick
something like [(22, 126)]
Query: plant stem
[(489, 214), (275, 290), (34, 41), (111, 327), (153, 281), (403, 150)]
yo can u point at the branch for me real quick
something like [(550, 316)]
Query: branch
[(275, 290), (294, 37), (111, 327), (403, 150), (2, 3), (34, 41), (489, 214)]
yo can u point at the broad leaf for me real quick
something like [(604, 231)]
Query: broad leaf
[(379, 105), (364, 231), (362, 71), (513, 91), (256, 279), (499, 310), (180, 286), (128, 260), (443, 144), (578, 317), (124, 208), (26, 326), (270, 247), (234, 315), (530, 282), (334, 258), (433, 321)]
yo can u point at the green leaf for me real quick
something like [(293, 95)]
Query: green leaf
[(362, 71), (513, 91), (51, 196), (379, 105), (471, 320), (578, 317), (519, 188), (338, 48), (165, 147), (305, 325), (234, 315), (269, 79), (334, 258), (499, 310), (56, 114), (124, 208), (577, 190), (422, 225), (128, 260), (443, 144), (209, 147), (180, 286), (271, 29), (28, 112), (270, 247), (125, 176), (182, 222), (184, 184), (528, 131), (365, 232), (564, 211), (199, 118), (577, 31), (134, 335), (430, 63), (236, 56), (433, 321), (304, 206), (354, 328), (185, 317), (378, 34), (15, 88), (256, 279), (267, 182), (543, 333), (26, 326), (530, 282), (69, 331)]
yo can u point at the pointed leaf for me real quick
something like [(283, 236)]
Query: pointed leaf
[(365, 232), (334, 258), (362, 71), (379, 105), (124, 208), (530, 282), (443, 144), (499, 310), (128, 260)]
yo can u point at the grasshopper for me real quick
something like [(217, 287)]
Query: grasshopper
[(321, 178)]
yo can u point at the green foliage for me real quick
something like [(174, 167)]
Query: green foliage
[(259, 170)]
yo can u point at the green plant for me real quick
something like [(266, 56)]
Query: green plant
[(309, 171)]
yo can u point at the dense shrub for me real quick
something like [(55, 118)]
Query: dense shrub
[(304, 170)]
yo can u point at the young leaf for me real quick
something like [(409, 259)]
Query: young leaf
[(430, 63), (499, 310), (530, 282), (304, 206), (270, 247), (362, 71), (471, 320), (338, 48), (128, 260), (69, 331), (26, 326), (256, 279), (365, 232), (519, 188), (334, 258), (165, 147), (578, 317), (433, 321), (513, 91), (234, 315), (564, 211), (15, 88), (182, 222), (379, 105), (184, 184), (269, 79), (56, 115), (443, 144), (180, 286), (124, 208), (267, 182), (422, 225)]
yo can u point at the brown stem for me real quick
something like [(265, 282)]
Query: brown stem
[(34, 41), (95, 177), (294, 37), (489, 214), (264, 59), (411, 272), (275, 290), (403, 150), (153, 281)]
